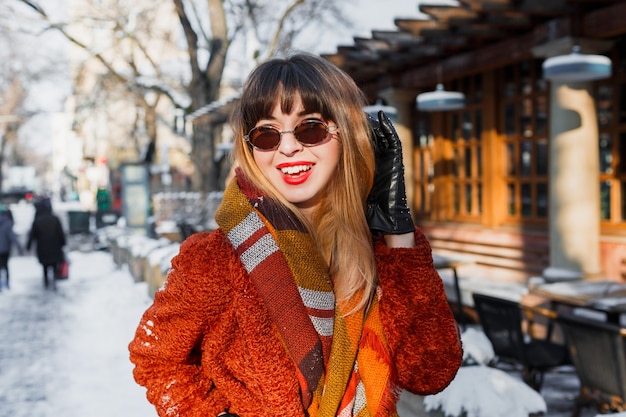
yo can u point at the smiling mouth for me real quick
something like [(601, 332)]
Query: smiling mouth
[(296, 169)]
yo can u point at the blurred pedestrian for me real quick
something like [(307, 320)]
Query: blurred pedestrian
[(48, 235), (8, 240)]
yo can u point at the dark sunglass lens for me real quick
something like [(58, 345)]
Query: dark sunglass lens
[(265, 138), (311, 132)]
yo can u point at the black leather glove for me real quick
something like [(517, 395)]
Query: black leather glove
[(387, 209)]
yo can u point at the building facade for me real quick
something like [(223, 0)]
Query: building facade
[(529, 177)]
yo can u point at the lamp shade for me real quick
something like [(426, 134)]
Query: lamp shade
[(576, 67), (390, 111), (440, 100)]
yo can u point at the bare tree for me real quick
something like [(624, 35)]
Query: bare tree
[(20, 73), (274, 25), (130, 68), (121, 53)]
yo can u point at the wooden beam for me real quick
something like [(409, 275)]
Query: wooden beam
[(602, 23), (606, 22), (486, 58)]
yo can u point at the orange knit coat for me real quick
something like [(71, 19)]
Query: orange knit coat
[(207, 344)]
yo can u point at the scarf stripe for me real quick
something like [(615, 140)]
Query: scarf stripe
[(321, 310)]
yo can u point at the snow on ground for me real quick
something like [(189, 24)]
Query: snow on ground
[(64, 352)]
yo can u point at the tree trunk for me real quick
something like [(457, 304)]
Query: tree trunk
[(206, 177)]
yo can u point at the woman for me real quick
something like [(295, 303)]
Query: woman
[(317, 295)]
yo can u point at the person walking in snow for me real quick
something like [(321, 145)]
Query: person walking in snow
[(317, 295), (47, 234), (8, 240)]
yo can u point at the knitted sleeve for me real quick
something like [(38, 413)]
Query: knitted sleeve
[(418, 322), (166, 347)]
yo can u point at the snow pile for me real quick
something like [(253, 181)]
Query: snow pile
[(481, 391)]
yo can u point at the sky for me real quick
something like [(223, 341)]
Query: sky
[(369, 15), (378, 15)]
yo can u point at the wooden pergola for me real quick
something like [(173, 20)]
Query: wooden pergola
[(490, 202), (475, 36)]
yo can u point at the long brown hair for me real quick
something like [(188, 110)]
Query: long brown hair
[(338, 225)]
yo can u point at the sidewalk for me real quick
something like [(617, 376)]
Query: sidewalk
[(65, 352)]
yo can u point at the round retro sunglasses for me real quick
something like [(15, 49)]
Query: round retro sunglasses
[(309, 132)]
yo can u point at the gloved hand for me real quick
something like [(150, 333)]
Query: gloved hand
[(387, 209)]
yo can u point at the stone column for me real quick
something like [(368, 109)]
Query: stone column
[(574, 171), (404, 100), (574, 183)]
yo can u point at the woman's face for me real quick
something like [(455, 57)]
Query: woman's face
[(300, 173)]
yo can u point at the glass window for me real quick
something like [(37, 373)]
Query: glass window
[(541, 157), (526, 200), (604, 103), (524, 125), (511, 166), (509, 119), (509, 81), (526, 86), (542, 199), (605, 200), (468, 164), (606, 154), (621, 152), (467, 126), (460, 161), (512, 200), (478, 88), (526, 121), (541, 84), (457, 164), (525, 162), (541, 115), (455, 127)]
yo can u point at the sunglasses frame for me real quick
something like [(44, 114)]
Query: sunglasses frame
[(330, 129)]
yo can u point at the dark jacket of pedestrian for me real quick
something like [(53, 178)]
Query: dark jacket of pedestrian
[(8, 238), (48, 234)]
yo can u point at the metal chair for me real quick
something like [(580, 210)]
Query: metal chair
[(503, 324), (598, 351)]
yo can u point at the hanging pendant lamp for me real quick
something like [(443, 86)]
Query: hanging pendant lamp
[(390, 111), (577, 66), (440, 100)]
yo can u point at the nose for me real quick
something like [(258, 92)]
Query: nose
[(288, 143)]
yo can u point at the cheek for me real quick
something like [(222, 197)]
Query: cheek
[(263, 160), (331, 153)]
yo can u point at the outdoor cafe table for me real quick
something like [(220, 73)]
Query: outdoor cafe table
[(608, 297)]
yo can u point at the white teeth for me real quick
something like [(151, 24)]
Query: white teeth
[(296, 169)]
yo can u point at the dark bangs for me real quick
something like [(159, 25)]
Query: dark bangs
[(283, 80)]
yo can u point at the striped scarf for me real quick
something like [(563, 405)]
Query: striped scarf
[(342, 362)]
